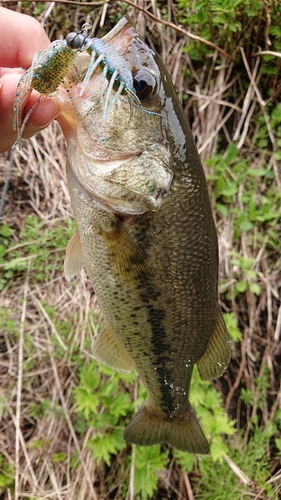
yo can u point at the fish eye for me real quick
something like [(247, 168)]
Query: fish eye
[(144, 84), (75, 40)]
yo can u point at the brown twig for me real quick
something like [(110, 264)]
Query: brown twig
[(19, 388), (179, 29), (267, 53), (238, 378), (188, 486), (149, 14), (237, 471)]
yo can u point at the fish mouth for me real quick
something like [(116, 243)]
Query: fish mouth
[(119, 157), (121, 37)]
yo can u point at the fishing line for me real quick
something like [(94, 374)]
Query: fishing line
[(7, 179)]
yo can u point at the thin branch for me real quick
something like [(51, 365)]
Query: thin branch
[(252, 79), (49, 321), (238, 378), (267, 53), (146, 13), (188, 486), (17, 420), (237, 471), (7, 180), (179, 29)]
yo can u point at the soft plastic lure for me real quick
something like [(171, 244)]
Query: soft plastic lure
[(45, 74), (115, 67), (50, 67)]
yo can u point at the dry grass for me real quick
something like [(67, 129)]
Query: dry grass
[(30, 370), (46, 194)]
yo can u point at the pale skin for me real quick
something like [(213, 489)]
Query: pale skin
[(21, 38)]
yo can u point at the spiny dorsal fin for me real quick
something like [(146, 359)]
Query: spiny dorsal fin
[(73, 261)]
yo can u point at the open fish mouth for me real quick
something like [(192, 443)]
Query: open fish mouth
[(100, 83), (115, 145)]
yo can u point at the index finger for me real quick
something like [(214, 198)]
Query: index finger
[(21, 37)]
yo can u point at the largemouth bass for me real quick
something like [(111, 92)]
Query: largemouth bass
[(146, 237)]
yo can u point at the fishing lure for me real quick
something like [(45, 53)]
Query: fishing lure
[(49, 68), (114, 65), (45, 74)]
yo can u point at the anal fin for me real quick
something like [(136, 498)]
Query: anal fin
[(108, 351), (215, 359)]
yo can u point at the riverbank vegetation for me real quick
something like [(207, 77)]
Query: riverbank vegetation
[(62, 414)]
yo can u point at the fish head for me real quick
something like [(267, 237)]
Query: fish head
[(115, 123)]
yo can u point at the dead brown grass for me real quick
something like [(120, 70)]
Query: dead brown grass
[(27, 446), (34, 373)]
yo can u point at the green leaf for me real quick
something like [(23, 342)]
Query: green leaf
[(186, 460), (255, 288), (241, 286), (148, 460), (59, 457), (217, 450), (89, 376), (246, 396), (246, 226), (230, 190), (232, 152), (6, 231), (2, 250), (86, 401), (120, 404), (6, 474), (232, 326), (104, 445), (270, 430), (222, 209), (278, 444)]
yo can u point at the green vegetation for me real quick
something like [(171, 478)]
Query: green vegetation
[(71, 410), (39, 241), (6, 475)]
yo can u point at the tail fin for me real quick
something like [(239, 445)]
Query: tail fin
[(183, 433)]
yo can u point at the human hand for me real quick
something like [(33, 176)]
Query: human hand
[(21, 37)]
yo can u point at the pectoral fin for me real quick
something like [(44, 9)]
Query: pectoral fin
[(108, 351), (215, 360), (73, 261)]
